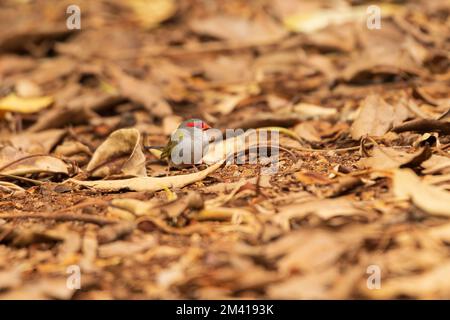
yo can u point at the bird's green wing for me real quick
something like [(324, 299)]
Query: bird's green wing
[(165, 154)]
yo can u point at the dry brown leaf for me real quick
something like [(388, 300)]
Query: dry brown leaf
[(14, 162), (308, 131), (319, 131), (308, 178), (21, 237), (312, 21), (49, 288), (375, 118), (141, 92), (89, 248), (309, 111), (120, 154), (426, 285), (70, 148), (318, 251), (170, 209), (431, 199), (40, 142), (125, 248), (324, 209), (10, 278), (261, 29), (315, 285), (436, 164), (384, 158)]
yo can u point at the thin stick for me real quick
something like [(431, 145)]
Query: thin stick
[(327, 150), (60, 217), (37, 182), (83, 204)]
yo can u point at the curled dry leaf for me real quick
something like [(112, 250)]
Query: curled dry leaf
[(14, 162), (148, 183), (431, 199), (120, 154)]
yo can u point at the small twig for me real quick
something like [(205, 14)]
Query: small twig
[(83, 204), (60, 217), (37, 182), (327, 150)]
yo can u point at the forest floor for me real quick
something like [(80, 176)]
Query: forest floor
[(359, 203)]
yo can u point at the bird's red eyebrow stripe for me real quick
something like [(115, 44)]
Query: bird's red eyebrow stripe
[(201, 125)]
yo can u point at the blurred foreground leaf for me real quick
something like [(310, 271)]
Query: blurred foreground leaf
[(14, 103)]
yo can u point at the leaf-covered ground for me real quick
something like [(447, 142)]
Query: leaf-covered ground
[(363, 184)]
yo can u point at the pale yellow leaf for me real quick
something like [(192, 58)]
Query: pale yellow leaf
[(14, 103), (149, 183), (150, 13), (312, 21)]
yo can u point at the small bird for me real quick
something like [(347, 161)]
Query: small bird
[(187, 144)]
